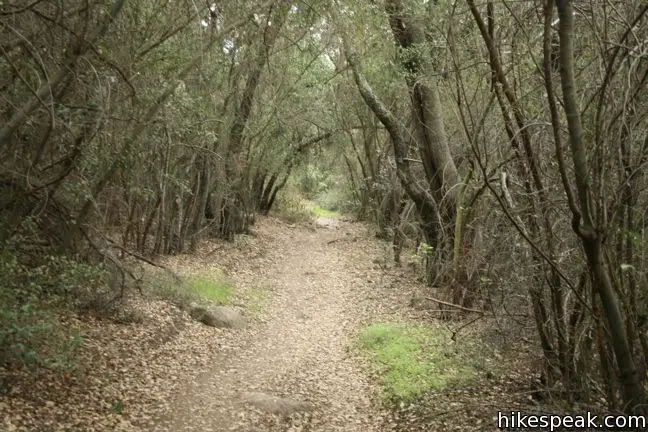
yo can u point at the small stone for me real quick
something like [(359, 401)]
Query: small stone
[(218, 316), (275, 404)]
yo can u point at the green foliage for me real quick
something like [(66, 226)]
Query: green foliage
[(425, 249), (339, 196), (213, 288), (31, 336), (255, 300), (21, 330), (413, 360), (313, 181), (291, 207), (336, 199), (118, 407), (30, 298), (217, 291), (56, 279), (320, 212)]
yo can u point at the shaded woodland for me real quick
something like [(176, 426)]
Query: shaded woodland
[(505, 141)]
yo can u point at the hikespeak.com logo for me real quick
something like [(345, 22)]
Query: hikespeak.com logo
[(517, 420)]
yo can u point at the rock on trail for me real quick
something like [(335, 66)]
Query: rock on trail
[(218, 316), (275, 404), (325, 222)]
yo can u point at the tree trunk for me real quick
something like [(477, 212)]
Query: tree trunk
[(440, 167), (425, 204), (585, 226), (237, 204)]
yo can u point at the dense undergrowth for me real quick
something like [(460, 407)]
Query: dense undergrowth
[(32, 300), (38, 290), (294, 206), (37, 300)]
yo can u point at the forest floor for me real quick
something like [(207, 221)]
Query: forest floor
[(292, 368)]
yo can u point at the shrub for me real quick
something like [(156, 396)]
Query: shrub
[(291, 207), (313, 181), (30, 298), (338, 198)]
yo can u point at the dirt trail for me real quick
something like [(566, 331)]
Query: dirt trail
[(301, 351), (153, 368)]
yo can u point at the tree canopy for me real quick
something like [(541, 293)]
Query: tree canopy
[(507, 141)]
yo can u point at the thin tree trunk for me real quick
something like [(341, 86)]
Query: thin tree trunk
[(584, 224), (425, 204), (440, 168), (238, 202)]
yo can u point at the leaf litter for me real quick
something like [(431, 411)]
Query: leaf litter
[(162, 371)]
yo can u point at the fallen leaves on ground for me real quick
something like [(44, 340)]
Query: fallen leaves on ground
[(164, 371)]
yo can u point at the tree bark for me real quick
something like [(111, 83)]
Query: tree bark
[(238, 203), (585, 226), (440, 167), (425, 204)]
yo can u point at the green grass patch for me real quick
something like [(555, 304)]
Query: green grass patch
[(217, 291), (213, 288), (255, 300), (322, 212), (413, 360)]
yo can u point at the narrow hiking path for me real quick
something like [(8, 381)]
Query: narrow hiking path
[(153, 368), (301, 351)]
